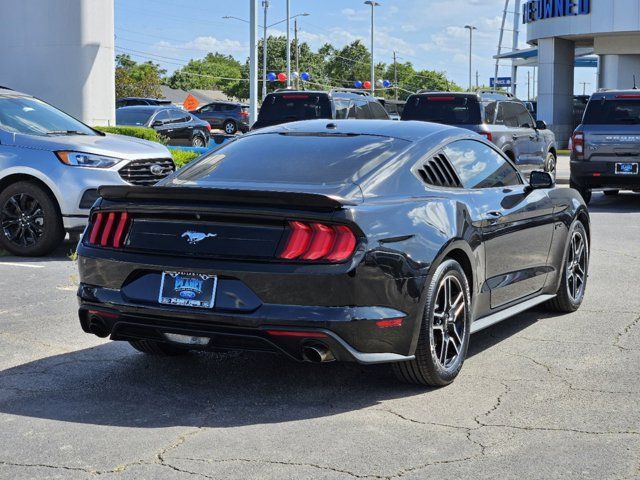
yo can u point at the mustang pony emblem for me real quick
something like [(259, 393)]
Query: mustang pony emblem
[(197, 237)]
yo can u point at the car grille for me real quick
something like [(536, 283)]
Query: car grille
[(145, 172)]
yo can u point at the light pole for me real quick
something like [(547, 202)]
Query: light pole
[(253, 63), (471, 29), (265, 4), (373, 69), (288, 43)]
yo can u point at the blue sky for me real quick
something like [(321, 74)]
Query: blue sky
[(428, 33)]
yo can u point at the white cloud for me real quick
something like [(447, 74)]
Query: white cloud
[(205, 44)]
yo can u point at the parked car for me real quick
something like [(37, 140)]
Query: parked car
[(370, 242), (179, 126), (605, 147), (505, 122), (393, 107), (227, 116), (293, 105), (51, 166), (133, 101)]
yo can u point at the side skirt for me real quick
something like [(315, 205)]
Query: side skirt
[(494, 318)]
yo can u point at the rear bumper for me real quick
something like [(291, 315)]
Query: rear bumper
[(601, 174), (343, 307)]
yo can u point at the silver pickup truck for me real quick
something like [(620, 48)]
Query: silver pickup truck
[(605, 147), (501, 119)]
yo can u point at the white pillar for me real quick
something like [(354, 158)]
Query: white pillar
[(555, 86), (63, 53)]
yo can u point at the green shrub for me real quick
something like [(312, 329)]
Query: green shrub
[(182, 157), (137, 132)]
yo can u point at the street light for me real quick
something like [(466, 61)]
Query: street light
[(373, 72), (471, 29)]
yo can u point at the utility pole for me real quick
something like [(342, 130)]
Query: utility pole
[(584, 87), (288, 43), (297, 53), (253, 62), (395, 72), (528, 85), (477, 80), (265, 4), (373, 69), (471, 29)]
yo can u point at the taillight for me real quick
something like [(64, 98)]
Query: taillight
[(487, 135), (208, 127), (577, 144), (109, 229), (319, 242), (244, 114)]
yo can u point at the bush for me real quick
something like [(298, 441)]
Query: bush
[(137, 132), (181, 157)]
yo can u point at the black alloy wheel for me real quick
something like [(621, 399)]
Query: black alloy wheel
[(444, 335), (575, 272), (29, 221)]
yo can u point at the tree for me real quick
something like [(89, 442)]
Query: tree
[(214, 72), (137, 79), (410, 80)]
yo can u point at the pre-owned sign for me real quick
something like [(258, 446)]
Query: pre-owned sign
[(541, 9)]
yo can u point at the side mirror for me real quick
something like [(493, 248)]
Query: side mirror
[(541, 125), (157, 123), (539, 179)]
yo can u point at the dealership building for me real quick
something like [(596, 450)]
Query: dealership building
[(563, 31)]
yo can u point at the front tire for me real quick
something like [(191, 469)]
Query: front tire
[(30, 224), (550, 165), (230, 127), (444, 333), (198, 141), (151, 347), (574, 272)]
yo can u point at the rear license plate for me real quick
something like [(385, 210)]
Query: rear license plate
[(188, 289), (626, 168)]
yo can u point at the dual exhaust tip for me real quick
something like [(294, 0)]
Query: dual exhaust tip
[(317, 353)]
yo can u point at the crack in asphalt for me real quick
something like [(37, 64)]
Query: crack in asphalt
[(626, 331), (612, 252)]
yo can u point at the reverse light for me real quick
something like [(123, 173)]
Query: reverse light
[(577, 144), (109, 229), (319, 242)]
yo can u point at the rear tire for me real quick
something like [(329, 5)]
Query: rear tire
[(230, 127), (151, 347), (444, 332), (575, 270), (30, 224)]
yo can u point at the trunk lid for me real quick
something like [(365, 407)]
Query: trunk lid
[(612, 142)]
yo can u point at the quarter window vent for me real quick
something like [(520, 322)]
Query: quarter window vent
[(438, 171)]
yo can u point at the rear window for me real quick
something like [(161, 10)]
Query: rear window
[(124, 116), (290, 107), (447, 109), (619, 111), (294, 158)]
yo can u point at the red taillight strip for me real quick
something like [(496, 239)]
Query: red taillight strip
[(299, 241), (95, 230), (296, 334), (107, 229), (119, 236), (322, 242), (389, 323), (344, 244)]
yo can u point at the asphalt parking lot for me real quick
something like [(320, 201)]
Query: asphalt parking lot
[(540, 396)]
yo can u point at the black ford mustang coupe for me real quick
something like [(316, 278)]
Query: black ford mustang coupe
[(374, 242)]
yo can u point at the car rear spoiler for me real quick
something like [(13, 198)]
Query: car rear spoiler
[(223, 195)]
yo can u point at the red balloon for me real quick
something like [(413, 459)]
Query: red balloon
[(367, 84), (282, 77)]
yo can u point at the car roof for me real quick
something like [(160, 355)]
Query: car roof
[(331, 94), (407, 130), (147, 108)]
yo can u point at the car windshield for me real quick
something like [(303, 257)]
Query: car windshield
[(298, 158), (447, 109), (618, 111), (289, 107), (133, 116), (34, 117)]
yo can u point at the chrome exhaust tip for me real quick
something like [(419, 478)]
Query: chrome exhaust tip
[(317, 354)]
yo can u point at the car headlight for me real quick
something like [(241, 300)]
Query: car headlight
[(79, 159)]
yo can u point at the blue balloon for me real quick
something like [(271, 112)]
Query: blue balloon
[(305, 76), (271, 77), (357, 84), (386, 83)]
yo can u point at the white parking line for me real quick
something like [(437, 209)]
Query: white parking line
[(25, 265)]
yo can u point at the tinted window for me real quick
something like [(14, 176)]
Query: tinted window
[(342, 108), (229, 108), (206, 108), (318, 159), (179, 116), (34, 117), (524, 118), (490, 112), (507, 115), (480, 166), (362, 111), (613, 112), (289, 107), (450, 110), (378, 111), (162, 116), (127, 116)]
